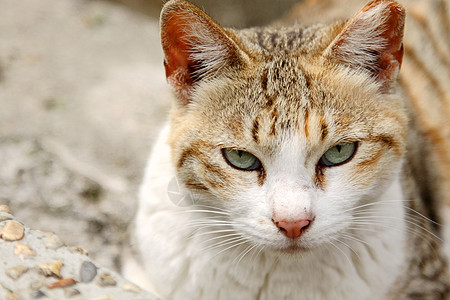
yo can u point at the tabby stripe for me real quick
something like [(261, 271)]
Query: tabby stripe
[(444, 19), (275, 120), (437, 140), (274, 37), (186, 154), (306, 120), (323, 129), (388, 141), (320, 176), (261, 41), (261, 177), (216, 176), (433, 40), (255, 130), (371, 161), (293, 37), (195, 185), (270, 101), (431, 76), (192, 151), (264, 81)]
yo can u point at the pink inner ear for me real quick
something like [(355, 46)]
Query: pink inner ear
[(177, 52), (390, 60)]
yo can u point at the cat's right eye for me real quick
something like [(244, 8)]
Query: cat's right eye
[(338, 154), (241, 160)]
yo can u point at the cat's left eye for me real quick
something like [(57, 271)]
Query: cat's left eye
[(338, 154), (241, 160)]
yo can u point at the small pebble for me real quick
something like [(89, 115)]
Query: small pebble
[(5, 216), (16, 272), (52, 241), (13, 231), (104, 297), (5, 208), (61, 283), (129, 287), (38, 294), (53, 269), (70, 292), (88, 271), (79, 250), (13, 296), (22, 250), (105, 279), (36, 285)]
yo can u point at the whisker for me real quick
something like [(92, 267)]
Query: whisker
[(383, 202), (408, 221), (244, 253), (224, 243), (340, 250), (220, 237), (348, 246), (243, 241)]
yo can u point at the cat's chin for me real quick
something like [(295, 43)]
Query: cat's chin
[(293, 249)]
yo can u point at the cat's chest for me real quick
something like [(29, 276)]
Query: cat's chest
[(354, 274)]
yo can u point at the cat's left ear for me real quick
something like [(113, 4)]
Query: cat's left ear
[(195, 47), (372, 40)]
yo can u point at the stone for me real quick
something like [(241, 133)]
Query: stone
[(23, 250), (129, 287), (38, 294), (13, 231), (88, 271), (36, 285), (79, 250), (61, 283), (70, 292), (13, 296), (5, 209), (16, 272), (5, 216), (104, 297), (52, 241), (53, 269), (105, 279)]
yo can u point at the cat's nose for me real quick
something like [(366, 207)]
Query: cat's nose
[(292, 229)]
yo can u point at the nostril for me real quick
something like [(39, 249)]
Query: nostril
[(292, 229)]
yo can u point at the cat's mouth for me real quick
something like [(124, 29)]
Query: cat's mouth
[(293, 248)]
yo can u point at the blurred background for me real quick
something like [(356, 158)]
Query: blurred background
[(82, 97)]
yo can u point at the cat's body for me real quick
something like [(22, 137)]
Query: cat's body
[(287, 98)]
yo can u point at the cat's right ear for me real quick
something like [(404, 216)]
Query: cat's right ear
[(372, 40), (195, 47)]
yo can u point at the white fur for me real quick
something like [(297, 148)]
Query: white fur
[(181, 266)]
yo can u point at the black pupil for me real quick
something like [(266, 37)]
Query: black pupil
[(240, 152), (339, 147)]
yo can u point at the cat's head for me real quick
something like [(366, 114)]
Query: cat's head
[(286, 130)]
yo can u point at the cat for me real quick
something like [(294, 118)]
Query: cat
[(305, 165)]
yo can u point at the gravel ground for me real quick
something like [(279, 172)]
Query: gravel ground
[(40, 266)]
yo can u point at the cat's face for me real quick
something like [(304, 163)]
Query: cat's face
[(284, 145)]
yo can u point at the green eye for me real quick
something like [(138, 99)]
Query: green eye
[(241, 160), (339, 154)]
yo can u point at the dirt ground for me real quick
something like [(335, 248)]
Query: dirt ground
[(82, 96)]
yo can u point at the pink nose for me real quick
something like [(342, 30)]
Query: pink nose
[(292, 229)]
